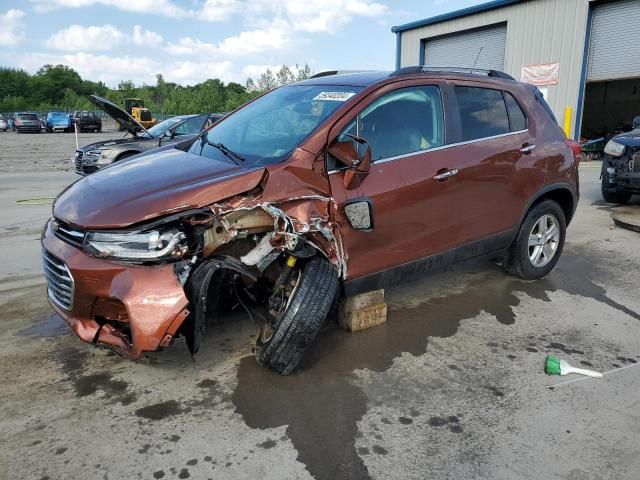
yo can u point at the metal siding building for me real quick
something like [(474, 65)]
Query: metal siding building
[(537, 32)]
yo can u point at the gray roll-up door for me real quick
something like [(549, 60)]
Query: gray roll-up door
[(462, 49), (614, 50)]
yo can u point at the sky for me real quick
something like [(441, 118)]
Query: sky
[(189, 41)]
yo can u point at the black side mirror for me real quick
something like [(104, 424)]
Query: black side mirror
[(344, 149)]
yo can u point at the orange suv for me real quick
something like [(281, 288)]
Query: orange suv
[(339, 184)]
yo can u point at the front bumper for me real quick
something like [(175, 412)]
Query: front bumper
[(129, 308), (85, 165)]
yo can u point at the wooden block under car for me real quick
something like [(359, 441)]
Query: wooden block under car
[(363, 311)]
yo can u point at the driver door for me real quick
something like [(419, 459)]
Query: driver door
[(413, 212)]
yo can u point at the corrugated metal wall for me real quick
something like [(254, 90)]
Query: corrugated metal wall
[(615, 41), (538, 31), (488, 47)]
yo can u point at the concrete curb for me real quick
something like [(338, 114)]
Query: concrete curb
[(627, 218)]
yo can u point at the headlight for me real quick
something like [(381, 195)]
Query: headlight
[(137, 246), (93, 155), (614, 149)]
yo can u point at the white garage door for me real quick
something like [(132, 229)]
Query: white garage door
[(462, 49), (614, 51)]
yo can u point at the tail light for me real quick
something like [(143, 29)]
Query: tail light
[(576, 148)]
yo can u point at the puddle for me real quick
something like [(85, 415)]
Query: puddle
[(51, 326), (327, 405)]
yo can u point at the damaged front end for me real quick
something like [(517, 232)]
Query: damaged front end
[(621, 167), (136, 290)]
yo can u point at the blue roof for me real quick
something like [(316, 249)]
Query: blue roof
[(483, 7)]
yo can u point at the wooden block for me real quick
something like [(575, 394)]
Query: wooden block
[(363, 311)]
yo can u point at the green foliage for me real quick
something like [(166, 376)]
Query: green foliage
[(59, 86)]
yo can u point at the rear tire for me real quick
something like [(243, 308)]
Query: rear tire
[(299, 324), (611, 195), (539, 242)]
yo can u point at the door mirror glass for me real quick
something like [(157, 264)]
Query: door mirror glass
[(345, 149), (359, 212)]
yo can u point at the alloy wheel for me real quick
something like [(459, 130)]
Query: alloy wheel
[(544, 239)]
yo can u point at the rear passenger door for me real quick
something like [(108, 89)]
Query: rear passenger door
[(495, 161)]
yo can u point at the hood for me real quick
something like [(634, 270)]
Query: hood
[(629, 139), (118, 141), (150, 186), (119, 115)]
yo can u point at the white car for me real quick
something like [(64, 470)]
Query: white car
[(3, 124)]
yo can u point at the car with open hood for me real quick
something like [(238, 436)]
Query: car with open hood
[(59, 122), (339, 184), (621, 166), (93, 157)]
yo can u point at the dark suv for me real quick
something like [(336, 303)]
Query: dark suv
[(332, 186), (621, 166)]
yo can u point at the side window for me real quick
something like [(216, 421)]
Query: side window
[(517, 120), (401, 122), (189, 127), (483, 112)]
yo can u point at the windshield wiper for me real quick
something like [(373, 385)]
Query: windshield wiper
[(220, 146)]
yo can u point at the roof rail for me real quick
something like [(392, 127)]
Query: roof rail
[(328, 73), (469, 71)]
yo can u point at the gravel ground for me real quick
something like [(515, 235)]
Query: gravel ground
[(46, 152), (451, 387)]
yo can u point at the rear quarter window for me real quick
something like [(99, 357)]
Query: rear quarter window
[(517, 118), (483, 112)]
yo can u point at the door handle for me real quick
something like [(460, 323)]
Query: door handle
[(527, 148), (445, 175)]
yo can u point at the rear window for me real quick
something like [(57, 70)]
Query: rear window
[(483, 113), (28, 116)]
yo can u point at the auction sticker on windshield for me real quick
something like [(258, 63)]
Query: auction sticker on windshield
[(334, 96)]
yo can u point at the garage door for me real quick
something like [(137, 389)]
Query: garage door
[(462, 49), (614, 51)]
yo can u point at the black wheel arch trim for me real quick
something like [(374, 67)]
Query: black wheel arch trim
[(550, 188)]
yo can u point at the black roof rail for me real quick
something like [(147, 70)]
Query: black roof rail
[(471, 71)]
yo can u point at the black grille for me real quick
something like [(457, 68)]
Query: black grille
[(145, 116), (59, 281), (635, 163), (69, 234)]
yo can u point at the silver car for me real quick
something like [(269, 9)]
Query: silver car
[(95, 156), (4, 125)]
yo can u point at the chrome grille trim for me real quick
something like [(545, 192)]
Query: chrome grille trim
[(60, 284), (68, 234), (78, 160)]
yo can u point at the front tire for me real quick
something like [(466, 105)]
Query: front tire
[(281, 347), (539, 242)]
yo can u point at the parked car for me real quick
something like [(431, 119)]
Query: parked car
[(11, 122), (59, 122), (621, 166), (340, 183), (95, 156), (3, 123), (27, 122), (87, 121)]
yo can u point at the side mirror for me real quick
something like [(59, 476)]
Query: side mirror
[(344, 149)]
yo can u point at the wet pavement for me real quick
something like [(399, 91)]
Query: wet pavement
[(452, 386)]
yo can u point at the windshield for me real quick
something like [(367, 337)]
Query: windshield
[(28, 116), (57, 116), (270, 128), (159, 128)]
